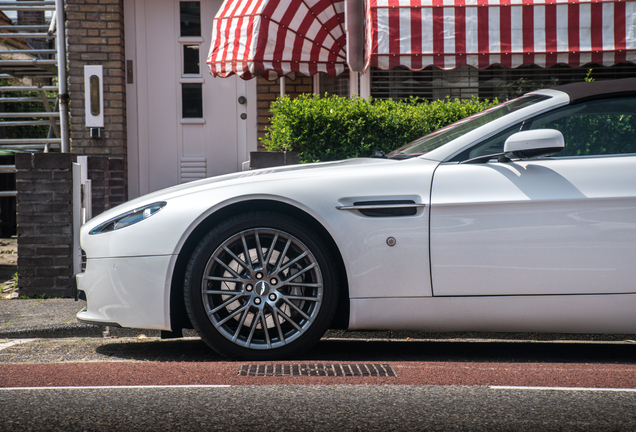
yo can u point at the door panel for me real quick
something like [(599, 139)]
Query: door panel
[(164, 148), (550, 226), (159, 131)]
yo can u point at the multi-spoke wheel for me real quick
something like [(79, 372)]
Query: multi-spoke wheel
[(260, 286)]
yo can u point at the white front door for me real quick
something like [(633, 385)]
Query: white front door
[(183, 124)]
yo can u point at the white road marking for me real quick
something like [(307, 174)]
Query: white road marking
[(629, 390), (11, 342), (120, 387)]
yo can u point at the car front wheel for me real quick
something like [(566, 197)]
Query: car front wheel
[(261, 286)]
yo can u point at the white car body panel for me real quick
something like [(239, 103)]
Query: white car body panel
[(549, 226), (535, 139), (373, 267), (552, 314), (131, 292)]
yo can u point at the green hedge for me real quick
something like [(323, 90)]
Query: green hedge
[(324, 128)]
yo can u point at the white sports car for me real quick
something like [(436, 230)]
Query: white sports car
[(519, 219)]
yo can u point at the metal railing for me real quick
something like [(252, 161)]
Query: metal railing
[(38, 65), (31, 6), (8, 169)]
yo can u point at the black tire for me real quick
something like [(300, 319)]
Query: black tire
[(276, 304)]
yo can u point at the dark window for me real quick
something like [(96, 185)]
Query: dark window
[(464, 82), (190, 18), (192, 100), (335, 86), (191, 59), (600, 127)]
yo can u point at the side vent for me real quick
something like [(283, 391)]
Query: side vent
[(388, 208)]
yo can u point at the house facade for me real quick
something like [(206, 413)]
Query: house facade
[(164, 114)]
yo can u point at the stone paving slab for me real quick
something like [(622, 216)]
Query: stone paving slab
[(16, 314), (12, 309), (53, 318)]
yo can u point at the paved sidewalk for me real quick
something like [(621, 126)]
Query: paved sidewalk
[(43, 318), (53, 318)]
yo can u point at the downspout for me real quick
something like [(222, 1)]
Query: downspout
[(61, 75)]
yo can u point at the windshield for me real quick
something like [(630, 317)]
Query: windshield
[(448, 133)]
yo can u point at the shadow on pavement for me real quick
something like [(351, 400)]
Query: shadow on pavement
[(195, 350), (175, 350)]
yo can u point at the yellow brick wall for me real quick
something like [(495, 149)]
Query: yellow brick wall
[(268, 91)]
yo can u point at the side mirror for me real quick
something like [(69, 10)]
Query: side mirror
[(534, 143)]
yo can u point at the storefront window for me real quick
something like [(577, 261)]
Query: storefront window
[(465, 82)]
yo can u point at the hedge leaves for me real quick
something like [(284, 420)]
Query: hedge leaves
[(324, 128)]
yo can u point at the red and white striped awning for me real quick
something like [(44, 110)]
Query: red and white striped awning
[(273, 38), (511, 33)]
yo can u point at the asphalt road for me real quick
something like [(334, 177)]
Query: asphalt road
[(316, 408), (148, 384)]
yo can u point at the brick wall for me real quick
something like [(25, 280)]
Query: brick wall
[(44, 182), (108, 186), (30, 17), (268, 91), (95, 33)]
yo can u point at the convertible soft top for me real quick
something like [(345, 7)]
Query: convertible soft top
[(583, 91)]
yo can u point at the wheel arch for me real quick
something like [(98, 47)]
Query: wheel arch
[(178, 315)]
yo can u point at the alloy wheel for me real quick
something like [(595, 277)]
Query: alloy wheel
[(262, 288)]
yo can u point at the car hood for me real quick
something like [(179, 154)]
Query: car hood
[(288, 172)]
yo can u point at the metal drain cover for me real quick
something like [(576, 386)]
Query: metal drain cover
[(318, 369)]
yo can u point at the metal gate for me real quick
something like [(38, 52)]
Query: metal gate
[(32, 75)]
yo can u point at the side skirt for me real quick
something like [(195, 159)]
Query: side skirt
[(608, 313)]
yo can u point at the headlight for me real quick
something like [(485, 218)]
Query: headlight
[(127, 219)]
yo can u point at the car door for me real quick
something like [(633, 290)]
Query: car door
[(557, 225)]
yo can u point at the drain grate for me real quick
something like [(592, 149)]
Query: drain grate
[(319, 369)]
